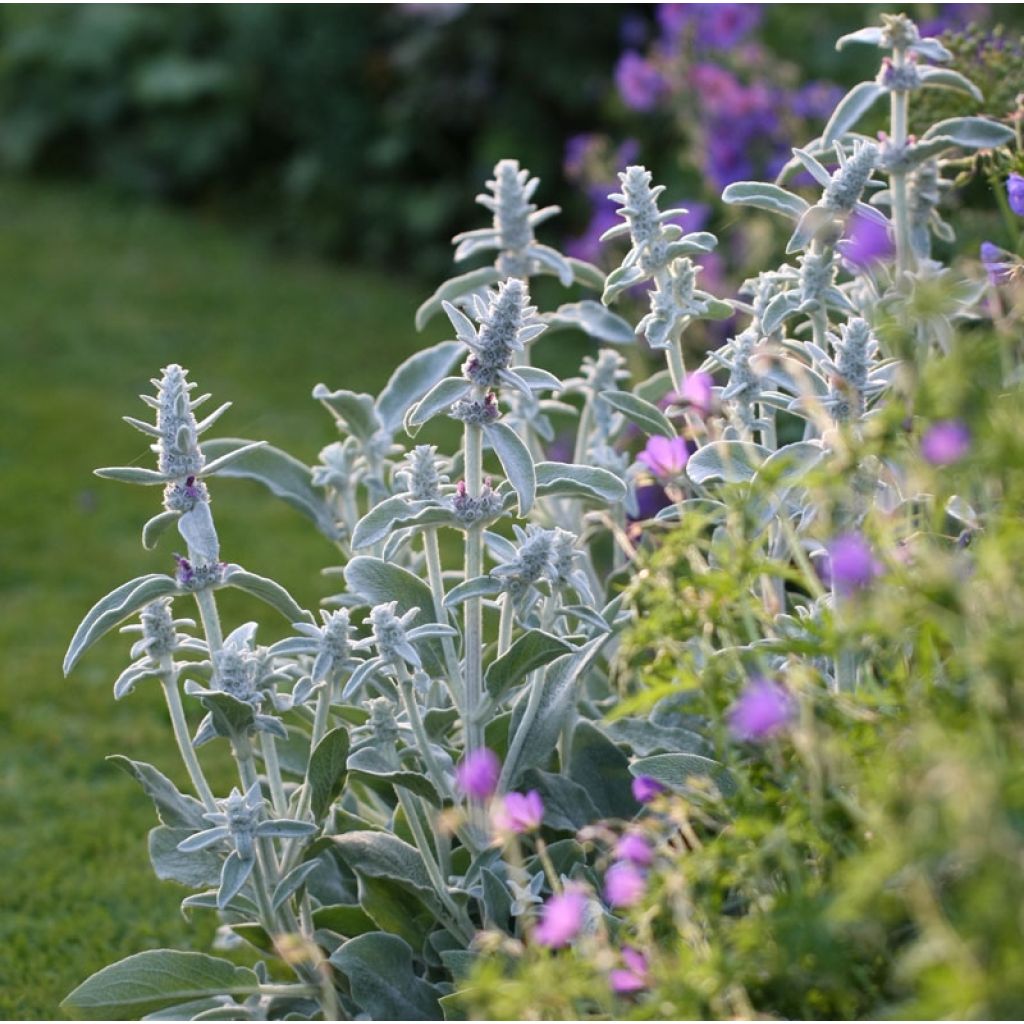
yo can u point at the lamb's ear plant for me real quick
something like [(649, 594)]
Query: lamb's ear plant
[(415, 768)]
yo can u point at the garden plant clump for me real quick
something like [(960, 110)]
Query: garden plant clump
[(717, 711)]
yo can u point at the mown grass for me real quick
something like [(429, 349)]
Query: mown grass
[(96, 295)]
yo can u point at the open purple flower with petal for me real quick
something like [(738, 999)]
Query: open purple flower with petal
[(519, 812), (867, 242), (997, 262), (478, 772), (639, 82), (1015, 193), (851, 563), (697, 391), (945, 442), (645, 789), (624, 884), (634, 848), (763, 709), (633, 977), (561, 919), (665, 457)]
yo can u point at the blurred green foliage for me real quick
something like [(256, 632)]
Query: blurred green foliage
[(869, 863)]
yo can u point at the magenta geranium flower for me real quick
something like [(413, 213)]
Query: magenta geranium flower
[(634, 848), (665, 457), (624, 884), (519, 812), (697, 391), (561, 919), (945, 442), (851, 563), (764, 709), (632, 977), (645, 789), (478, 772)]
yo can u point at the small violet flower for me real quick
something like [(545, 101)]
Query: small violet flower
[(478, 772), (624, 884), (665, 457), (996, 263), (763, 709), (634, 848), (851, 564), (639, 83), (561, 919), (1015, 193), (697, 391), (519, 812), (633, 977), (645, 789), (945, 442), (867, 242)]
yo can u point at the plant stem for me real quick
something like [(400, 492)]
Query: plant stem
[(435, 577), (676, 367), (898, 112), (473, 609), (412, 710), (268, 746), (210, 619), (505, 624), (181, 734)]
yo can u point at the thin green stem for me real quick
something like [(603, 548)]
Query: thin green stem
[(899, 104), (473, 608), (268, 746), (435, 577), (179, 724), (676, 367), (505, 624), (412, 710), (210, 619)]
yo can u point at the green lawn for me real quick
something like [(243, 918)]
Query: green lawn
[(97, 294)]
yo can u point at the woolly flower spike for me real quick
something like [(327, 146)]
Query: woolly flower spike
[(743, 391), (946, 442), (421, 474), (656, 243), (763, 709), (507, 324), (478, 772), (329, 644), (160, 639), (515, 217), (853, 374), (675, 301), (898, 32), (563, 570), (177, 449), (531, 563), (847, 184), (469, 511), (238, 823), (561, 919)]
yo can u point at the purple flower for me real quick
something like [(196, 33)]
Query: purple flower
[(763, 709), (478, 772), (945, 442), (588, 246), (816, 100), (851, 564), (624, 884), (561, 919), (697, 391), (1015, 193), (639, 83), (722, 26), (645, 789), (867, 242), (665, 457), (634, 848), (577, 149), (519, 812), (633, 977), (650, 500), (997, 266)]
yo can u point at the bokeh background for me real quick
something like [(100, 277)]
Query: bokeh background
[(265, 194)]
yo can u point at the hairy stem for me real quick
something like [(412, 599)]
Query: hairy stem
[(473, 609), (899, 104), (179, 724)]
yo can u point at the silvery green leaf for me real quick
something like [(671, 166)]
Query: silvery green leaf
[(380, 975), (586, 274), (947, 78), (971, 132), (188, 1011), (454, 289), (813, 166), (292, 882), (355, 412), (872, 36), (641, 413), (602, 769), (125, 682), (717, 309), (204, 840), (174, 808), (233, 876), (850, 109), (369, 764), (582, 613), (284, 476), (568, 806), (764, 196), (646, 737), (131, 475), (705, 508), (413, 379), (814, 220), (228, 715), (780, 309), (230, 457), (551, 261), (932, 49), (619, 281), (531, 650), (731, 461), (156, 526), (564, 479), (482, 586), (377, 523), (121, 602), (148, 981), (516, 461), (675, 771), (439, 399), (267, 591), (327, 769), (537, 379), (782, 468), (285, 828), (197, 530), (382, 855), (199, 870), (593, 319)]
